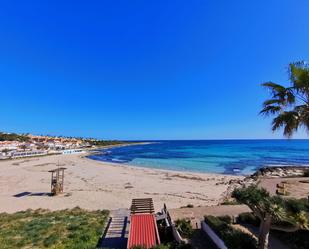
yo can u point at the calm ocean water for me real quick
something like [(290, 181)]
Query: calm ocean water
[(216, 156)]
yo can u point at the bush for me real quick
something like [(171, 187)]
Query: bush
[(175, 245), (233, 238), (184, 227), (13, 137), (230, 202), (248, 218), (226, 218), (297, 205), (162, 247)]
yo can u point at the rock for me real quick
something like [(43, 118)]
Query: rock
[(281, 171)]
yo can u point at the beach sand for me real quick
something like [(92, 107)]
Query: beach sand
[(92, 185)]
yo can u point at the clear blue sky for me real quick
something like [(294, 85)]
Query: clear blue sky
[(146, 69)]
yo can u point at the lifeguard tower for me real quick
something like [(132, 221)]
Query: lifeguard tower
[(57, 181)]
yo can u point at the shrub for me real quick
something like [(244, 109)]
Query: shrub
[(162, 247), (184, 227), (230, 202), (175, 245), (233, 238), (297, 205), (239, 240), (248, 218), (226, 218)]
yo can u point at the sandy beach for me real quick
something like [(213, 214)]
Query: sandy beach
[(89, 184)]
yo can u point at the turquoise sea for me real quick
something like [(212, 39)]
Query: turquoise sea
[(216, 156)]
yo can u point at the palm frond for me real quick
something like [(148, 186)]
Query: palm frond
[(288, 120), (303, 112), (270, 110), (290, 96), (272, 101), (302, 219), (273, 87), (299, 77), (289, 104)]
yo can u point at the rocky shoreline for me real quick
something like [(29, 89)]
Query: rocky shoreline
[(281, 171), (267, 172)]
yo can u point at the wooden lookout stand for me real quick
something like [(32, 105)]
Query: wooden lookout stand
[(57, 180)]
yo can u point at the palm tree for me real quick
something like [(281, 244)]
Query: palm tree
[(290, 104), (272, 210)]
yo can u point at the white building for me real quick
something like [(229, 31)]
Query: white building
[(17, 154), (9, 145), (73, 151)]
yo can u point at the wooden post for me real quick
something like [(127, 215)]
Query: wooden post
[(62, 180)]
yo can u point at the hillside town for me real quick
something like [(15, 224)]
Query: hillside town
[(16, 145), (41, 145)]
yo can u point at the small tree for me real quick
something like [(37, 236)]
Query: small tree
[(273, 212)]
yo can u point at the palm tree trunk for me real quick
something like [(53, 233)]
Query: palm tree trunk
[(264, 232)]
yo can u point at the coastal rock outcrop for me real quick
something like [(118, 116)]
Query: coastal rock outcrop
[(266, 172), (281, 171)]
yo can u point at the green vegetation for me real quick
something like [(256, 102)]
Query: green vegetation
[(25, 138), (290, 104), (295, 240), (226, 218), (274, 212), (230, 202), (13, 137), (95, 142), (248, 218), (75, 228), (233, 238), (184, 227)]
